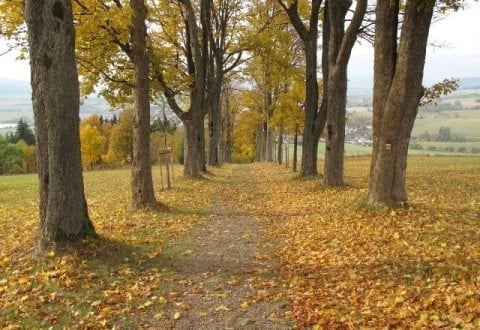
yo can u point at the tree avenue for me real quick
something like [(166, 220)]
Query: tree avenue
[(250, 67), (54, 80), (314, 117)]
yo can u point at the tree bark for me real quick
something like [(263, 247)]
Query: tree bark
[(142, 183), (295, 144), (193, 135), (56, 103), (227, 128), (215, 129), (395, 106), (269, 138), (339, 50), (311, 132), (280, 145)]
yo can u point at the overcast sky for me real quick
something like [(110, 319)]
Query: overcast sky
[(459, 33), (459, 56)]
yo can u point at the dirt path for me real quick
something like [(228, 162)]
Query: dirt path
[(225, 276)]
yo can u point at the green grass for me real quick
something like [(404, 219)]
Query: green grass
[(350, 151), (464, 123)]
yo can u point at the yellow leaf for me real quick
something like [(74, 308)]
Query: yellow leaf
[(148, 304), (158, 316), (244, 304), (222, 308), (177, 315), (162, 300)]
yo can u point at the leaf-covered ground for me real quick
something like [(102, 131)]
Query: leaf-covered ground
[(348, 266), (248, 245)]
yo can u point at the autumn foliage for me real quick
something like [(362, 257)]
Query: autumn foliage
[(341, 264), (349, 266)]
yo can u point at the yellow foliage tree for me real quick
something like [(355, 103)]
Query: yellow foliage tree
[(92, 144), (120, 148), (29, 163)]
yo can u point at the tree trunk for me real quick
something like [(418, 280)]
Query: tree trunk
[(201, 152), (280, 145), (56, 104), (340, 47), (259, 143), (228, 127), (295, 144), (215, 130), (395, 107), (193, 136), (335, 143), (142, 183), (269, 145), (311, 132)]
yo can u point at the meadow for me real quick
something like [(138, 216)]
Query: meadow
[(464, 123), (341, 264)]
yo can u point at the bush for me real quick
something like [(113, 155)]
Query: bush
[(462, 149), (475, 150), (179, 141), (11, 156)]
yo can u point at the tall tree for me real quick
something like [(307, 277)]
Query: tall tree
[(314, 117), (142, 183), (111, 53), (54, 79), (92, 144), (398, 72), (340, 44), (225, 56), (275, 66), (24, 132), (196, 53)]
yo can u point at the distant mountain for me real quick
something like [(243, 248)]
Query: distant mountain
[(10, 88), (470, 83)]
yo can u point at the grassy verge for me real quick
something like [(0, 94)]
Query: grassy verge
[(99, 282)]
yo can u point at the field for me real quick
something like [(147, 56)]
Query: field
[(338, 263), (464, 123), (353, 150)]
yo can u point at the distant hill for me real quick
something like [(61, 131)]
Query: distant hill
[(10, 88), (470, 83)]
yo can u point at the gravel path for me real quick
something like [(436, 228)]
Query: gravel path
[(226, 278)]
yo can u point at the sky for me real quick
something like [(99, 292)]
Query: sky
[(459, 56)]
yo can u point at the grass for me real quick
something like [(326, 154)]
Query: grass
[(464, 123), (101, 280), (352, 150)]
